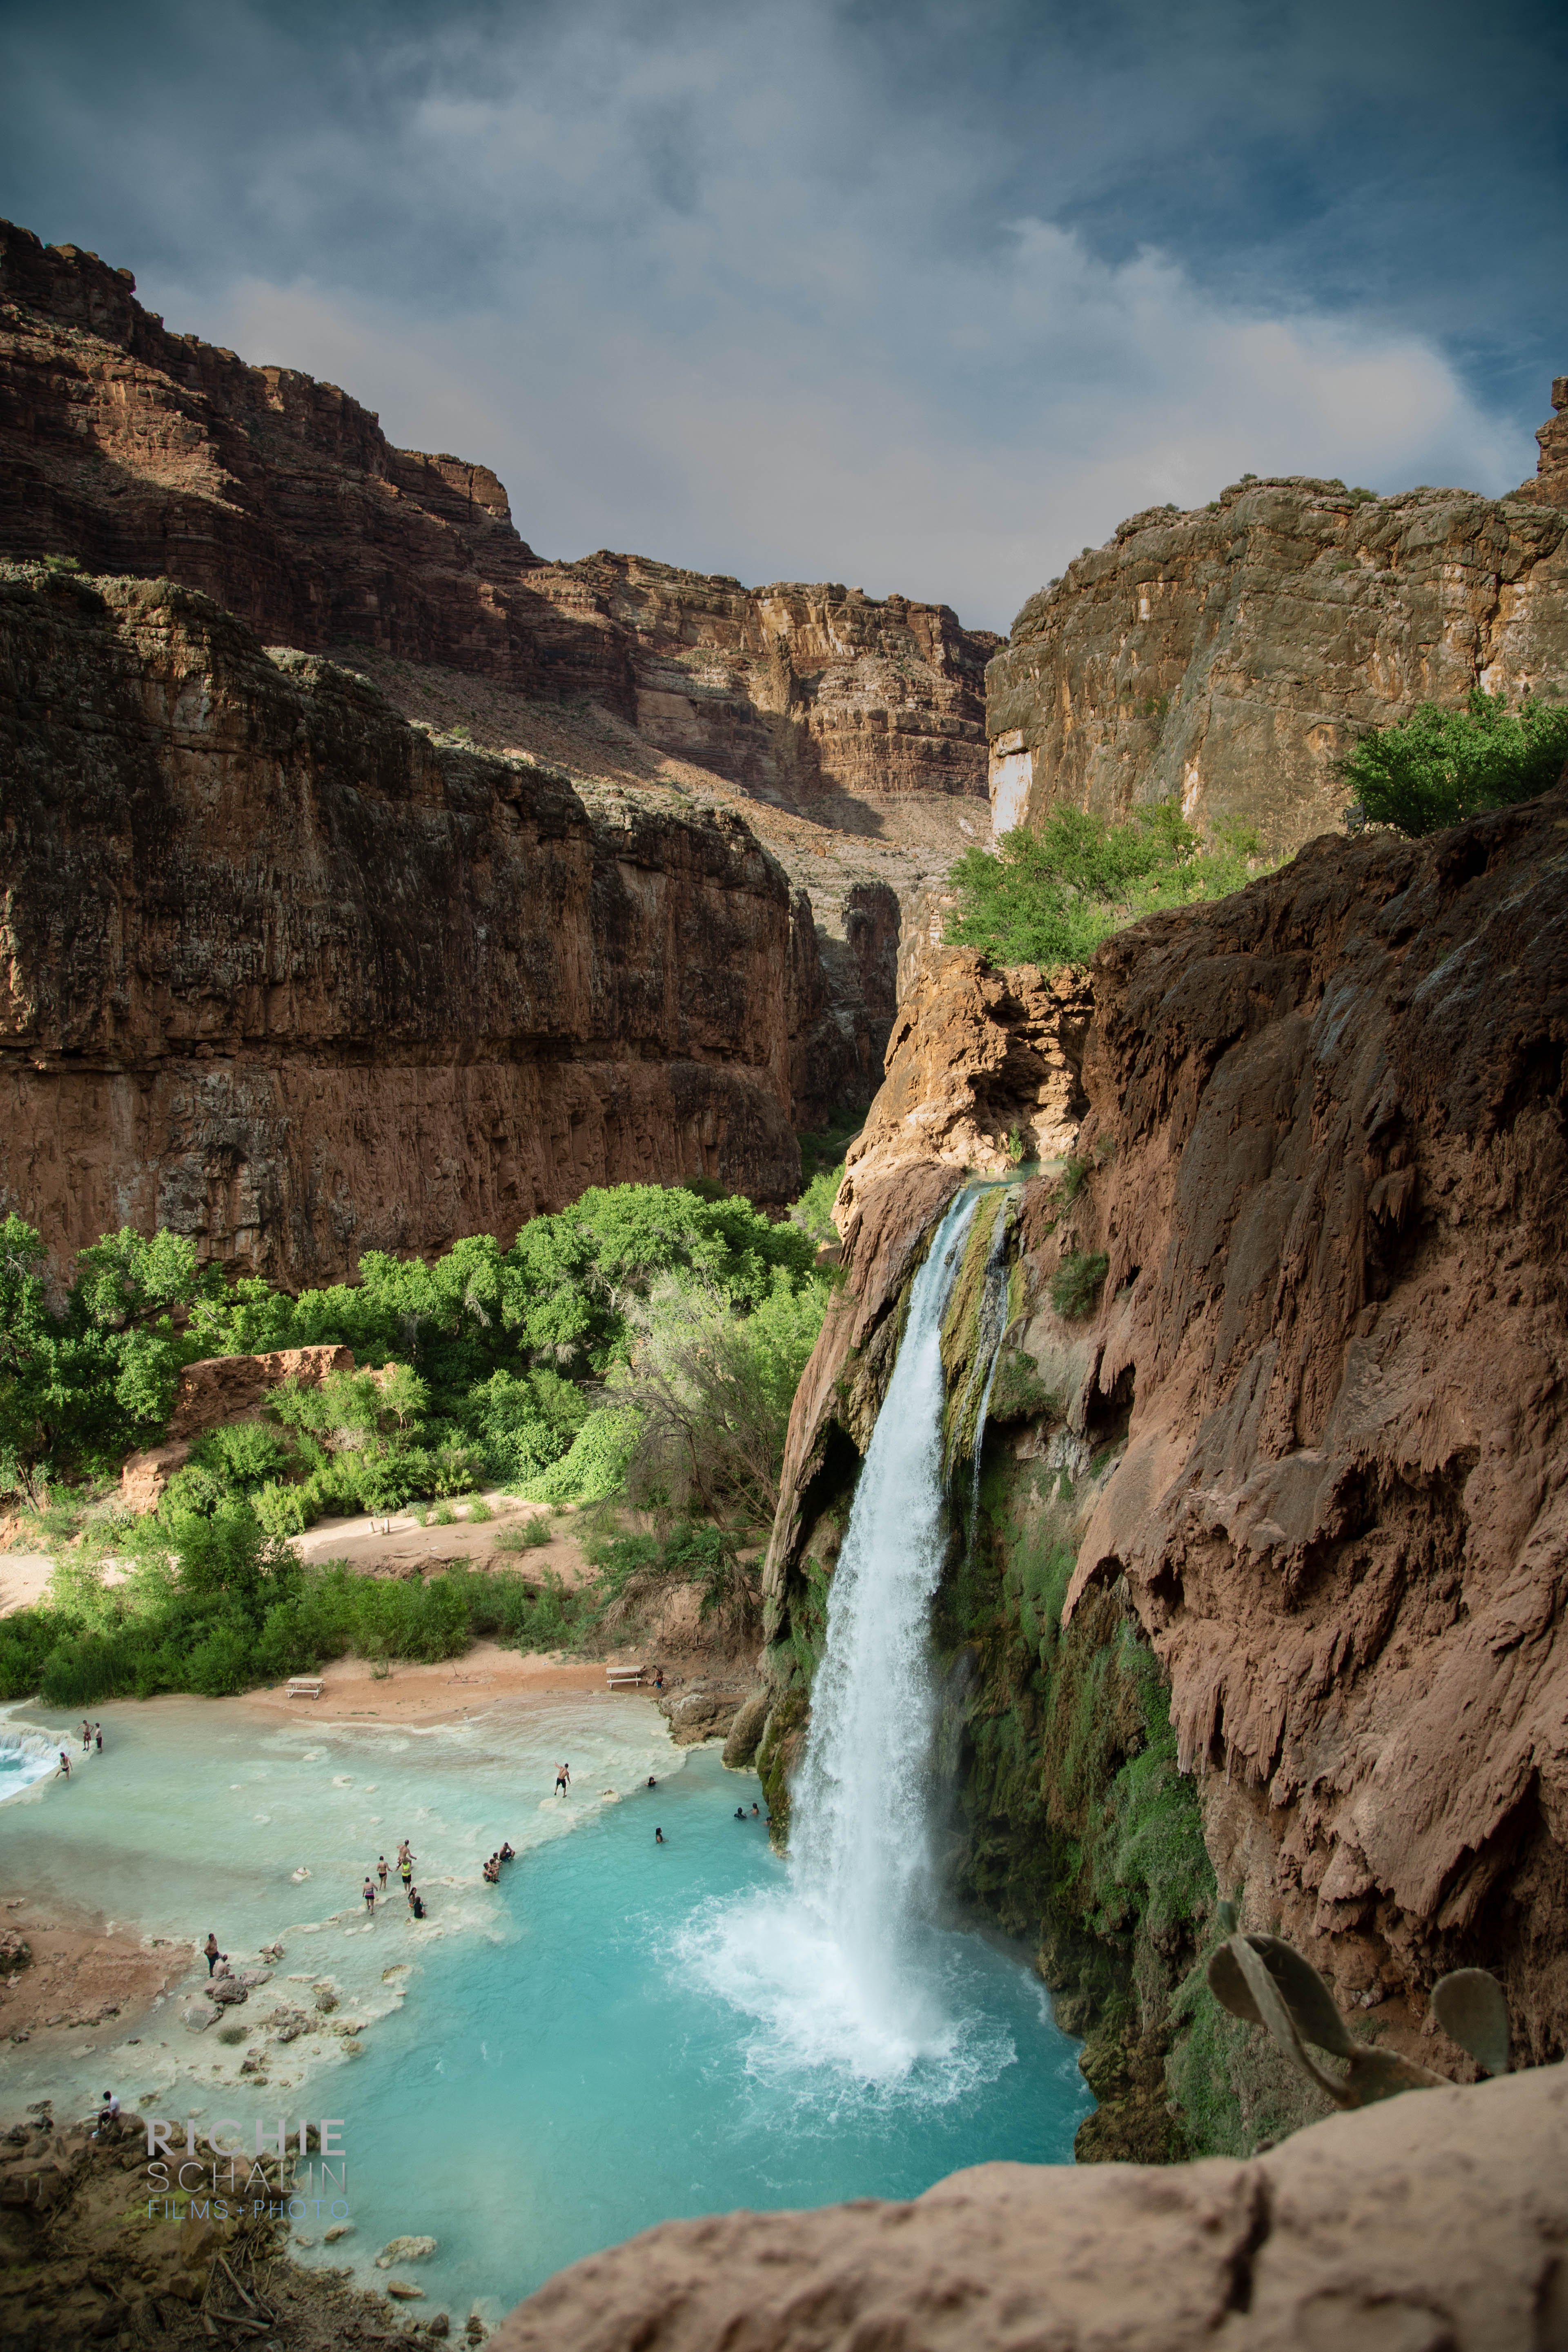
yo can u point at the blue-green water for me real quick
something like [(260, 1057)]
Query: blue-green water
[(537, 2099), (620, 2033)]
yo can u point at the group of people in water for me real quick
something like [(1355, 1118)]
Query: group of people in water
[(416, 1901), (493, 1867), (91, 1737)]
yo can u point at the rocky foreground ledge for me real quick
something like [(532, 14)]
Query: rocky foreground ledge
[(1435, 2223)]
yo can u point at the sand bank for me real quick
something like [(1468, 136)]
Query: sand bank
[(355, 1691), (89, 1979)]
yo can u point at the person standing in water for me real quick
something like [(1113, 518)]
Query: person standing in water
[(64, 1771), (369, 1896), (659, 1837), (563, 1779), (380, 1871), (406, 1870), (97, 1737)]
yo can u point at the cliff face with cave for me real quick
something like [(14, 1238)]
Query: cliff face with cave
[(282, 972), (1270, 1584), (1229, 656), (142, 451)]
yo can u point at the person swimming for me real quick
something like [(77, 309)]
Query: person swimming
[(659, 1837), (755, 1814), (740, 1813)]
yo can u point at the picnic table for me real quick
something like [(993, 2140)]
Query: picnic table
[(305, 1687), (623, 1677)]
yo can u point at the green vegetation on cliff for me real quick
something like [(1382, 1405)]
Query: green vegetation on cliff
[(1049, 897), (1440, 767)]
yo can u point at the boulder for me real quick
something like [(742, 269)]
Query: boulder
[(703, 1710), (746, 1730), (404, 2250), (1435, 2222)]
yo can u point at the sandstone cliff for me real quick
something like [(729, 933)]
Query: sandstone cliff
[(142, 451), (1300, 1440), (854, 729), (1229, 656), (283, 973)]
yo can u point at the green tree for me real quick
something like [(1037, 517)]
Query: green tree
[(1438, 767)]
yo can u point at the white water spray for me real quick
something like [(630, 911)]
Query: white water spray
[(848, 1970)]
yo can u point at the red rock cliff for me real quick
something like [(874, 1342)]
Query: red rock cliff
[(1317, 1410), (142, 451), (280, 972), (1229, 656)]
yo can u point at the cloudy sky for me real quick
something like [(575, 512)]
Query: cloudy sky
[(922, 295)]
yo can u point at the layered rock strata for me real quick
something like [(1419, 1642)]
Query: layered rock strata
[(1227, 657), (1278, 1455), (1436, 2220), (283, 973), (142, 451)]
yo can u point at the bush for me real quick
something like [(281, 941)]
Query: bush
[(1075, 1284), (1049, 897), (1441, 766)]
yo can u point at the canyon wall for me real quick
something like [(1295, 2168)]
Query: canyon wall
[(1228, 658), (142, 451), (1270, 1581), (283, 972)]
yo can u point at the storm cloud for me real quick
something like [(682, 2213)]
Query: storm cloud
[(912, 297)]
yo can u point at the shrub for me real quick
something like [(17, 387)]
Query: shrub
[(1049, 897), (1440, 767), (1075, 1284), (531, 1535)]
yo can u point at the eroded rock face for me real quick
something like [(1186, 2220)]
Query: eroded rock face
[(150, 453), (1436, 2220), (281, 973), (1331, 1164), (1313, 1400), (1227, 657)]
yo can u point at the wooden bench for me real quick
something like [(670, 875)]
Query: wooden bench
[(623, 1677), (305, 1687)]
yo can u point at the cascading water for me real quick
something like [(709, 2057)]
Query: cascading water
[(849, 1970)]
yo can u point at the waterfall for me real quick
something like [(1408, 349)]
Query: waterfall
[(848, 1971), (858, 1829)]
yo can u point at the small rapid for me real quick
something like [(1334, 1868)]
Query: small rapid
[(848, 1970), (24, 1756)]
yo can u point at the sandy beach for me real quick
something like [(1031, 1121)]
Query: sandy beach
[(355, 1691)]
